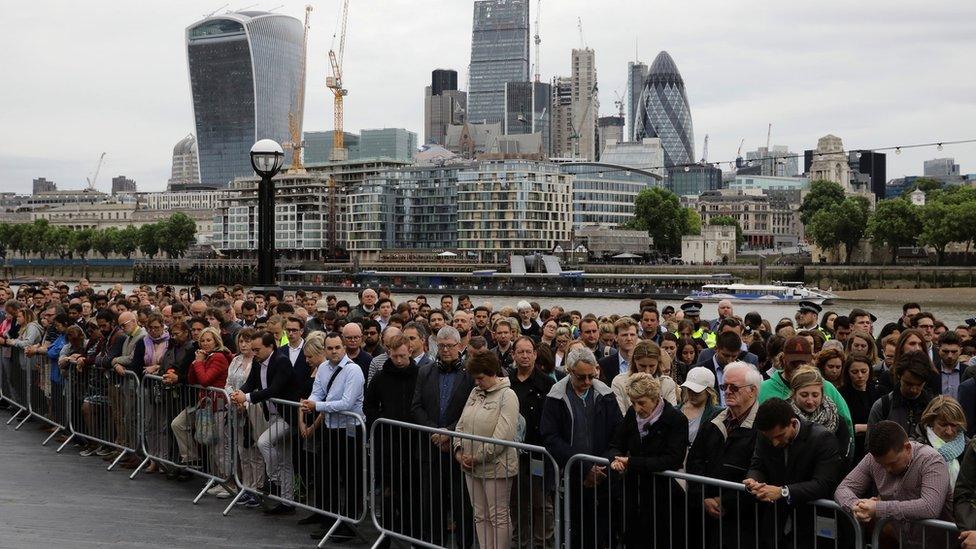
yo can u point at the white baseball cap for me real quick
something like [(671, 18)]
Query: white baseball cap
[(699, 379)]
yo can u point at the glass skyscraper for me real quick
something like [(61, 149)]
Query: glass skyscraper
[(244, 76), (499, 54), (664, 112)]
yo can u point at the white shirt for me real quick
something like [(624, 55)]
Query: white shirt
[(293, 352)]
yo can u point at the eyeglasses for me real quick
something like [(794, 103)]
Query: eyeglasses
[(732, 388), (585, 377)]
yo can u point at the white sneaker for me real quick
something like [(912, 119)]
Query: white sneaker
[(216, 489), (223, 493)]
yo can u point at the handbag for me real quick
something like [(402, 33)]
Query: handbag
[(206, 432)]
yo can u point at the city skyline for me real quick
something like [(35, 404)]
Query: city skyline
[(807, 72)]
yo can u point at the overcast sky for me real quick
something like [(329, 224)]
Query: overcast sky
[(80, 78)]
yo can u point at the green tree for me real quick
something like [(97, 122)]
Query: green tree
[(148, 241), (104, 241), (82, 241), (58, 240), (6, 239), (659, 212), (822, 195), (127, 241), (694, 225), (942, 224), (730, 221), (843, 223), (39, 235), (894, 223), (927, 184), (178, 233), (20, 239)]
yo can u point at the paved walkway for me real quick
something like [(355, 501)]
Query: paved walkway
[(65, 500)]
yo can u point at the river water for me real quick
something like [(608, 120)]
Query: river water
[(887, 310)]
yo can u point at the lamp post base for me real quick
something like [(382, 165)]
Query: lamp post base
[(277, 291)]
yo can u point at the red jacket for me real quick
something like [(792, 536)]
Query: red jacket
[(211, 372)]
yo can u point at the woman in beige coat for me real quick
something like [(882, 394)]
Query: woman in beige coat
[(492, 411)]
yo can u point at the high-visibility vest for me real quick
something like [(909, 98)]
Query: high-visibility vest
[(709, 338)]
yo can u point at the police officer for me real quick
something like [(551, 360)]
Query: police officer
[(808, 316), (692, 310)]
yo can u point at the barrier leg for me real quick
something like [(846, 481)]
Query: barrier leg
[(329, 533), (209, 485), (233, 502), (14, 417), (66, 442), (379, 541), (22, 422), (139, 468), (55, 432), (118, 458)]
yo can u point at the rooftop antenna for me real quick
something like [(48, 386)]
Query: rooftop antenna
[(245, 7), (215, 11), (579, 25), (277, 8)]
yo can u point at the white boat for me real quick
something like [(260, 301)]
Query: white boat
[(764, 293)]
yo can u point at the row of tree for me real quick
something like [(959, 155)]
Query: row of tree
[(659, 212), (833, 219), (172, 236)]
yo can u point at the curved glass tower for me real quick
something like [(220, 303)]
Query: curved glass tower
[(664, 112), (244, 76)]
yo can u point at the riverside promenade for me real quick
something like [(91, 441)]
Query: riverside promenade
[(65, 500)]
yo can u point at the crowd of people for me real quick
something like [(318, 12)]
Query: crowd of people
[(817, 405)]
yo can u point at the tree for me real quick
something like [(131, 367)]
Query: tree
[(895, 223), (148, 242), (127, 241), (38, 236), (6, 238), (694, 225), (178, 233), (20, 239), (59, 241), (105, 241), (659, 212), (822, 195), (842, 223), (82, 242), (941, 224), (927, 184), (728, 220)]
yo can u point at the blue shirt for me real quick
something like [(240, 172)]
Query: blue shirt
[(53, 354), (624, 365), (345, 395), (448, 380)]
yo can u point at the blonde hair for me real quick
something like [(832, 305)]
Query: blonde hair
[(315, 343), (215, 334), (643, 385), (805, 375), (945, 408), (646, 348)]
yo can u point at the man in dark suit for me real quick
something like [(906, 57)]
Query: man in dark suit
[(730, 324), (441, 392), (795, 462), (728, 347), (619, 362), (272, 376)]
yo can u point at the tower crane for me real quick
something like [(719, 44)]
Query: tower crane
[(334, 83), (619, 103), (738, 154), (537, 39), (94, 178), (296, 119)]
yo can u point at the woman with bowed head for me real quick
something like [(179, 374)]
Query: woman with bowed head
[(652, 438), (830, 362), (860, 390), (699, 402), (943, 427), (564, 335), (808, 401), (647, 358), (492, 411)]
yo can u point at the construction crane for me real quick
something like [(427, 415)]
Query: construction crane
[(704, 159), (296, 119), (769, 135), (738, 154), (334, 83), (619, 103), (93, 180), (537, 39)]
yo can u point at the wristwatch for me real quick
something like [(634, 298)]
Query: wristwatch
[(785, 492)]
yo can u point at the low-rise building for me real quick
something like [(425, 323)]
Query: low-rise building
[(185, 200), (604, 194), (605, 242), (750, 208), (715, 244)]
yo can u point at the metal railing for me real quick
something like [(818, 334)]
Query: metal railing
[(927, 534), (15, 383), (417, 480), (47, 400), (109, 410)]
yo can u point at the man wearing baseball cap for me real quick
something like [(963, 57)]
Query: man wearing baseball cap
[(798, 351)]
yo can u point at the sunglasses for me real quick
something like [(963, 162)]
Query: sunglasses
[(585, 377)]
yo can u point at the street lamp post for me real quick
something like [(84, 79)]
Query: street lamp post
[(267, 158)]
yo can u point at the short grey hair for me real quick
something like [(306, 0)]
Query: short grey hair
[(752, 375), (450, 333), (580, 354), (523, 305)]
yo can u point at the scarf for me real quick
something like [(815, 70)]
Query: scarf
[(825, 414), (155, 348), (948, 450), (643, 424)]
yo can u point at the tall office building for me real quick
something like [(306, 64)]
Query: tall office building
[(561, 122), (394, 143), (776, 161), (499, 54), (664, 112), (185, 171), (586, 104), (444, 105), (122, 185), (318, 146), (941, 167), (244, 75), (527, 110), (42, 185), (610, 129), (636, 75)]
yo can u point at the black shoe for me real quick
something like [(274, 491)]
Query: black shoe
[(281, 509), (314, 518)]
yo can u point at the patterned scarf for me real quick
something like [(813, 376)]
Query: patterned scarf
[(155, 349), (948, 450), (825, 415)]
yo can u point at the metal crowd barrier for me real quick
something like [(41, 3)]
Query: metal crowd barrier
[(107, 408), (316, 462), (198, 419), (47, 400), (15, 385), (674, 509), (927, 534), (417, 482)]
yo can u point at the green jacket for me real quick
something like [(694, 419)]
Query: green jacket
[(775, 387)]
